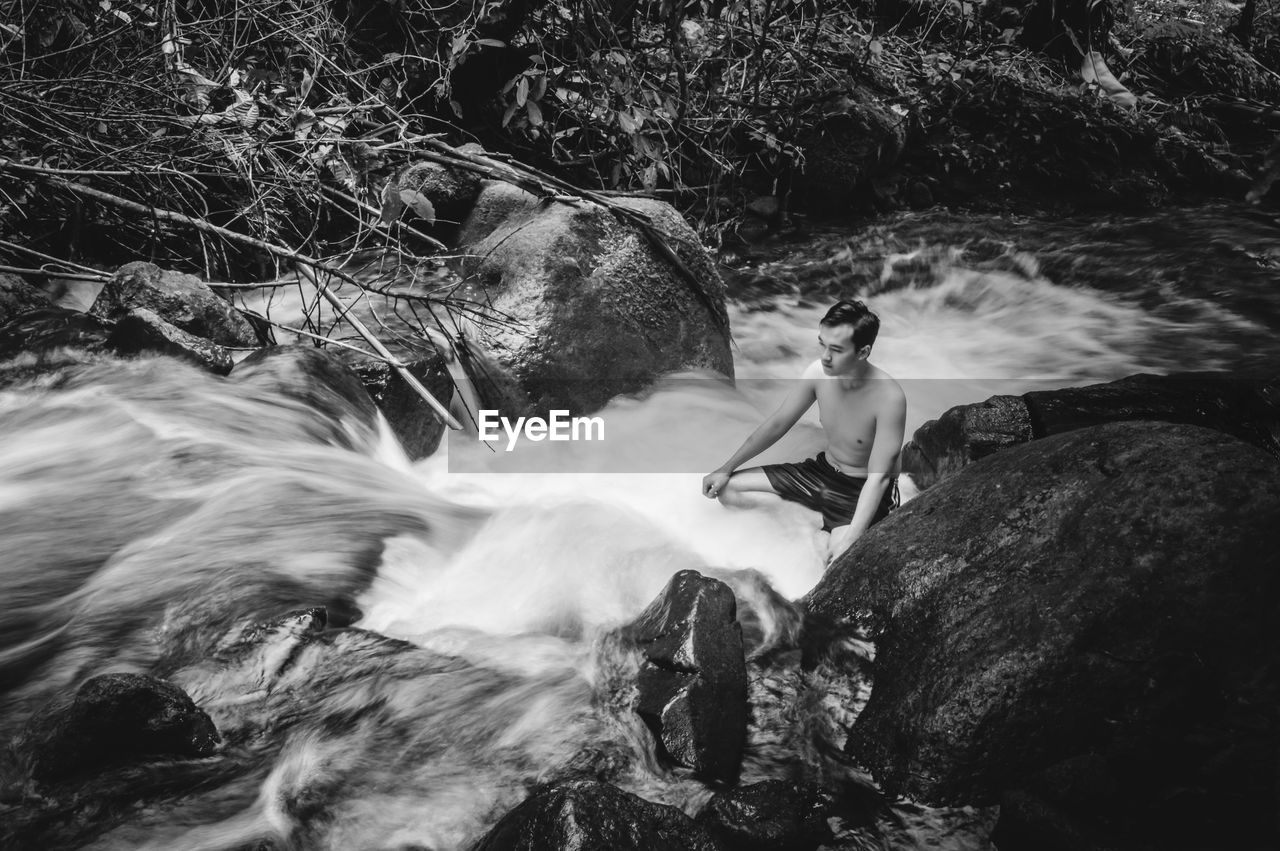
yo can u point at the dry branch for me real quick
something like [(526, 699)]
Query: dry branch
[(304, 264)]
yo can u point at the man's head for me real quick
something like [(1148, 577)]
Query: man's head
[(846, 335)]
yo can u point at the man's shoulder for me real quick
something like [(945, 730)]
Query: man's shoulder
[(813, 370), (888, 388)]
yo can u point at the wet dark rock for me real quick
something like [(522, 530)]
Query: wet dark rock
[(595, 310), (773, 815), (18, 297), (37, 345), (115, 718), (49, 328), (942, 447), (451, 191), (318, 379), (412, 420), (693, 682), (141, 330), (1108, 591), (180, 299), (1246, 408), (586, 815)]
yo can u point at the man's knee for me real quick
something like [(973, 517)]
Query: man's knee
[(746, 488)]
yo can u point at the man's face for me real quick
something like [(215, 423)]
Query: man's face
[(839, 357)]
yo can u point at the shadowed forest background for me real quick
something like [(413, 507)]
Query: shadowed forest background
[(295, 123)]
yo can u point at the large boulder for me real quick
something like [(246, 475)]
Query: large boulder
[(1111, 591), (693, 681), (1246, 408), (586, 307), (114, 718), (178, 298), (586, 815)]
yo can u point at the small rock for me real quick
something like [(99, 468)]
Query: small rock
[(142, 330), (586, 815), (115, 718), (962, 435), (773, 815), (180, 299), (693, 683), (412, 420)]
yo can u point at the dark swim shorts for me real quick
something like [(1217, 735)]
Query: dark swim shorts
[(816, 484)]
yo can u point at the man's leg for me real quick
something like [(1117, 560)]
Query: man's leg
[(840, 542), (747, 488)]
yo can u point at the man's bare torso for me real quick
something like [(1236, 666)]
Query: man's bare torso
[(848, 411)]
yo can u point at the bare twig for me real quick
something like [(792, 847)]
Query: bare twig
[(409, 378), (69, 276), (16, 247), (304, 264)]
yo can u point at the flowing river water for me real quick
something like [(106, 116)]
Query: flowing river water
[(150, 514)]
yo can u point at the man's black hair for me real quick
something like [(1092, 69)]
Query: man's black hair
[(866, 325)]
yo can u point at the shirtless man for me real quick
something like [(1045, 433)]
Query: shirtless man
[(863, 413)]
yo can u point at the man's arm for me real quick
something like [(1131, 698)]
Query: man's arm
[(891, 423), (799, 400)]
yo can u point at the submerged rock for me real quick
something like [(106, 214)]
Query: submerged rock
[(321, 381), (586, 815), (1246, 408), (413, 421), (180, 299), (591, 308), (693, 682), (770, 816), (1110, 591), (115, 718)]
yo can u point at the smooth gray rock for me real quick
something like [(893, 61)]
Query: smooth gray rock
[(590, 307)]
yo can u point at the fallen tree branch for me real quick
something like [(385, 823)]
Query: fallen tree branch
[(70, 276), (377, 225), (409, 378), (16, 247), (304, 265), (539, 183)]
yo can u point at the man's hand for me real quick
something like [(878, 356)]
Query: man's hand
[(842, 537), (713, 483)]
